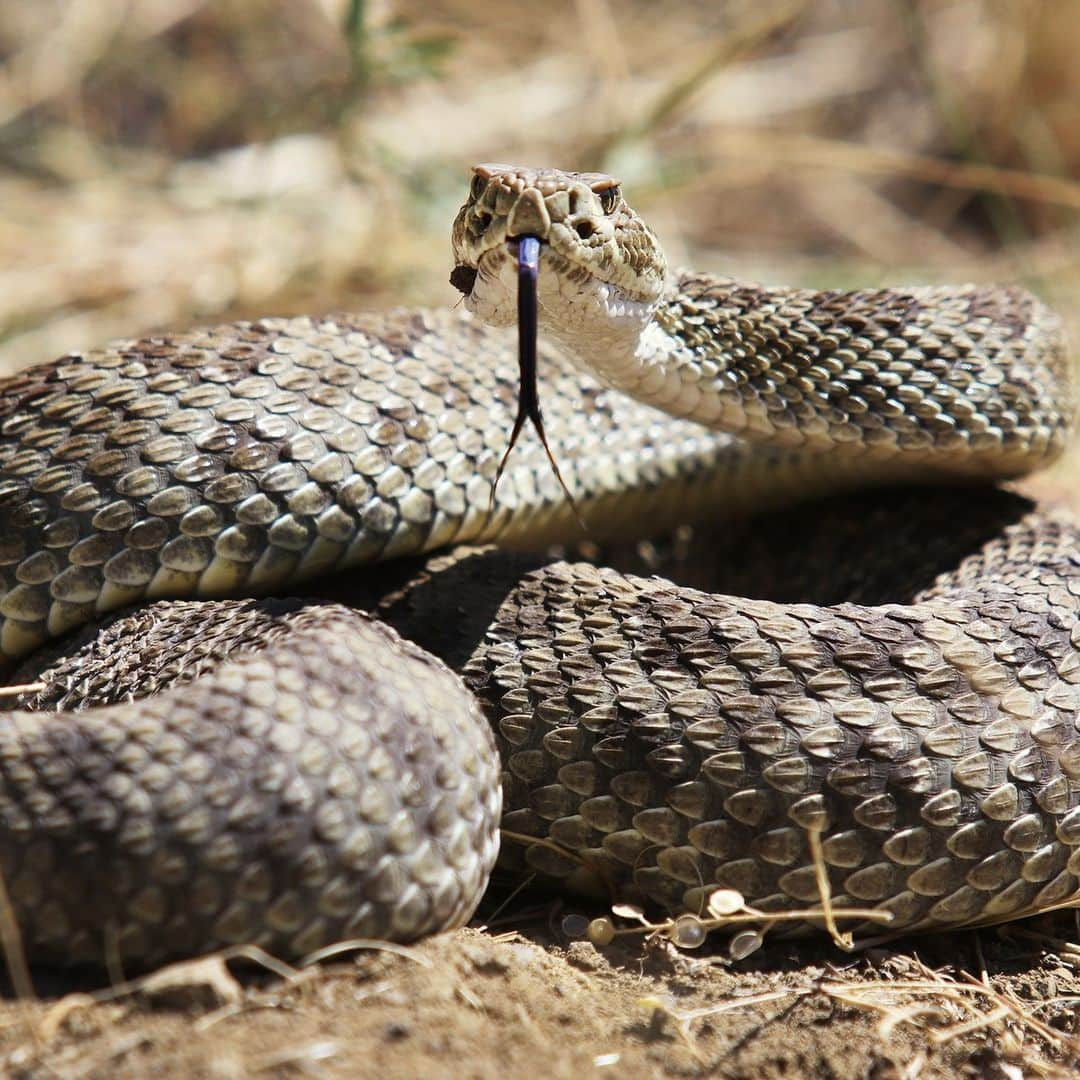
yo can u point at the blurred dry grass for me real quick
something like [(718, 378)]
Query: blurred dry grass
[(164, 162)]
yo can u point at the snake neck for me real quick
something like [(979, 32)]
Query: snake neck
[(885, 373)]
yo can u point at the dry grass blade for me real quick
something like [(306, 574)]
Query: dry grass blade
[(743, 38), (493, 918), (299, 1057), (20, 690), (977, 1024), (12, 942), (342, 948), (880, 995), (683, 1019), (821, 877), (809, 150), (211, 966), (86, 31)]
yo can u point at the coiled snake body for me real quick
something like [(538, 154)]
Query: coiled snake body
[(290, 773)]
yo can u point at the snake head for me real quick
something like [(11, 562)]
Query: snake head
[(557, 251), (600, 264)]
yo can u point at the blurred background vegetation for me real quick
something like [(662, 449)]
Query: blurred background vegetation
[(164, 162)]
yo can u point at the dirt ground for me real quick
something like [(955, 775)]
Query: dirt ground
[(510, 1001)]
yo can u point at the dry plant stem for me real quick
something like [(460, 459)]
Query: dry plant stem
[(959, 993), (54, 1019), (600, 30), (1060, 945), (299, 1058), (114, 964), (753, 916), (1009, 1001), (826, 912), (340, 948), (83, 35), (25, 688), (836, 154), (543, 841), (821, 876), (14, 953), (966, 139), (517, 890), (58, 1013), (15, 959), (729, 48), (684, 1020), (938, 1038)]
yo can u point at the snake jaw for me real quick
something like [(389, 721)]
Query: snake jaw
[(493, 294)]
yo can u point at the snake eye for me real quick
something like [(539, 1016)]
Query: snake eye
[(609, 199), (478, 186)]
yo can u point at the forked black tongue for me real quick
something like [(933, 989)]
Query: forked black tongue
[(528, 260)]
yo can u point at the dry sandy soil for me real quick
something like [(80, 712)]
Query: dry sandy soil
[(498, 1002)]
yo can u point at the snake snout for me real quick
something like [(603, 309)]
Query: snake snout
[(528, 216)]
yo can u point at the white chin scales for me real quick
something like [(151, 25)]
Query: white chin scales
[(623, 308), (593, 305), (493, 298)]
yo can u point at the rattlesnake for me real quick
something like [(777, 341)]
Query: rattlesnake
[(304, 774)]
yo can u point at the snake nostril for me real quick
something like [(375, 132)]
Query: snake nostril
[(584, 228)]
